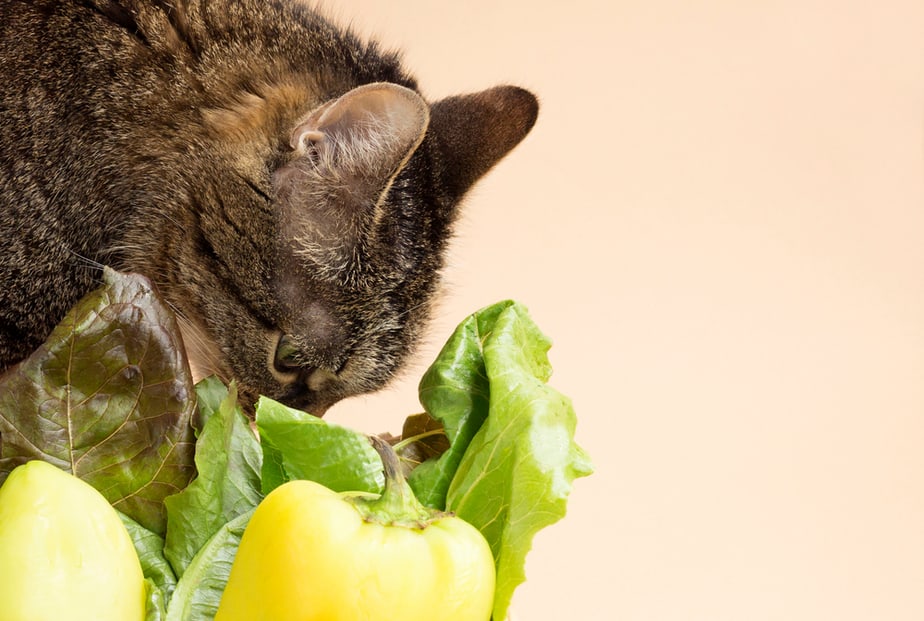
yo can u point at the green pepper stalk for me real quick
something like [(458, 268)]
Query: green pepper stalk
[(397, 505)]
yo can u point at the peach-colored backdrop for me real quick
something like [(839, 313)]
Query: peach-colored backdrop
[(719, 219)]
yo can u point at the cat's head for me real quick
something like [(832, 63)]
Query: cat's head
[(361, 204)]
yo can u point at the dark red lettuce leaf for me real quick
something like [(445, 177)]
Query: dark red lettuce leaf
[(108, 397)]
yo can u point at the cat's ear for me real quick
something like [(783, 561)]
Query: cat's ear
[(366, 135), (473, 132)]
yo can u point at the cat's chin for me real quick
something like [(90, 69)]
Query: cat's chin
[(308, 401)]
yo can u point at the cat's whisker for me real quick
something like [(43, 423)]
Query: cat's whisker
[(88, 262), (124, 248), (412, 309), (202, 363)]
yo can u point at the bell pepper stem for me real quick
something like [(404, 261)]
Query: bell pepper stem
[(397, 504), (390, 463)]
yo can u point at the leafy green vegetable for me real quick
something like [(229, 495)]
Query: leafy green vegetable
[(150, 549), (108, 397), (199, 590), (455, 392), (297, 445), (228, 458), (516, 474), (210, 393), (156, 604)]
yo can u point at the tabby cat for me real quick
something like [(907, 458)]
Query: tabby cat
[(283, 184)]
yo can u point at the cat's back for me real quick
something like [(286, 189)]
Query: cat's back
[(62, 80), (149, 63)]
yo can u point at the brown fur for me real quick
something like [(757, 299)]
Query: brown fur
[(273, 175)]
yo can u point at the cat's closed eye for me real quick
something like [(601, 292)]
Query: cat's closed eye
[(287, 358)]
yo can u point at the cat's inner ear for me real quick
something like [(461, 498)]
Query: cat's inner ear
[(473, 132), (346, 154), (366, 135)]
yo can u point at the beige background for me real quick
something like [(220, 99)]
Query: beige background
[(718, 219)]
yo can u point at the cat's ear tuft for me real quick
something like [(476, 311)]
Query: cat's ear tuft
[(473, 132), (370, 131)]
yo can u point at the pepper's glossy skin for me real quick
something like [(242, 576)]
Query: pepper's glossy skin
[(64, 552), (308, 555)]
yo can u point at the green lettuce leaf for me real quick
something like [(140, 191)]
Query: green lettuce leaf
[(156, 605), (210, 393), (157, 571), (199, 590), (454, 391), (108, 397), (516, 473), (297, 445), (228, 459)]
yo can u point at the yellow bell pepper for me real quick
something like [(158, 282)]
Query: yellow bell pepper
[(64, 552), (310, 554)]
